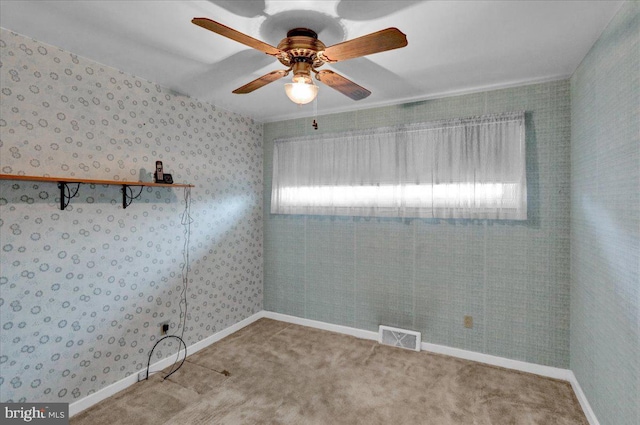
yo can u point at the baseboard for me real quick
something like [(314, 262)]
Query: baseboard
[(582, 398), (547, 371), (106, 392), (346, 330)]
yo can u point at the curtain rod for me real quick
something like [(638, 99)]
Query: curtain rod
[(425, 126)]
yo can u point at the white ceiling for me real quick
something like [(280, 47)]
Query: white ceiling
[(454, 47)]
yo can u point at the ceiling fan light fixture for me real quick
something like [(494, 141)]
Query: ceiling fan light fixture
[(301, 52), (301, 90)]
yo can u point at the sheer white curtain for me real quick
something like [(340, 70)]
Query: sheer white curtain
[(463, 168)]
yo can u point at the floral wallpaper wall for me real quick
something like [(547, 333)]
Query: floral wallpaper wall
[(84, 290)]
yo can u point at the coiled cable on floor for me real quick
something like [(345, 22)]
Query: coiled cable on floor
[(154, 347)]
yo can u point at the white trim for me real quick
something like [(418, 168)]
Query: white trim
[(547, 371), (101, 394), (108, 391), (411, 99), (346, 330), (224, 333), (582, 398)]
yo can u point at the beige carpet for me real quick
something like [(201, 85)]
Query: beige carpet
[(289, 374)]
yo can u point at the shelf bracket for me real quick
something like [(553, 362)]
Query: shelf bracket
[(128, 196), (66, 195)]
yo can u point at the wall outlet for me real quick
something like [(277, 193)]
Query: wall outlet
[(468, 321), (164, 327), (142, 375)]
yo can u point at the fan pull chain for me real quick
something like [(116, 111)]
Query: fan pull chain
[(315, 114)]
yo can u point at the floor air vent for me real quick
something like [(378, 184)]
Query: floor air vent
[(399, 338)]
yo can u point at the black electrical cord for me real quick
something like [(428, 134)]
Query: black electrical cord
[(185, 220), (154, 347)]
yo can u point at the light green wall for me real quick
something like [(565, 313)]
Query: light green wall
[(605, 221), (512, 277)]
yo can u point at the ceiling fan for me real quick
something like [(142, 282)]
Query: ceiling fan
[(302, 53)]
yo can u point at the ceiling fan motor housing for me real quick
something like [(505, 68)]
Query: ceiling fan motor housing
[(301, 45)]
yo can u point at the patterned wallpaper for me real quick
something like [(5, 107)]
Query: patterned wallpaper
[(605, 221), (83, 291), (426, 275)]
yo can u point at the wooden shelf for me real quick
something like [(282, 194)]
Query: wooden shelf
[(66, 195), (87, 181)]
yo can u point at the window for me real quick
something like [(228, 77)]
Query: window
[(464, 168)]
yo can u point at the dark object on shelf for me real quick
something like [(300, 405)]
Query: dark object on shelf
[(167, 179), (158, 175)]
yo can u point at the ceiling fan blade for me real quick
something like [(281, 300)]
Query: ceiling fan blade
[(225, 31), (261, 82), (381, 41), (342, 84)]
